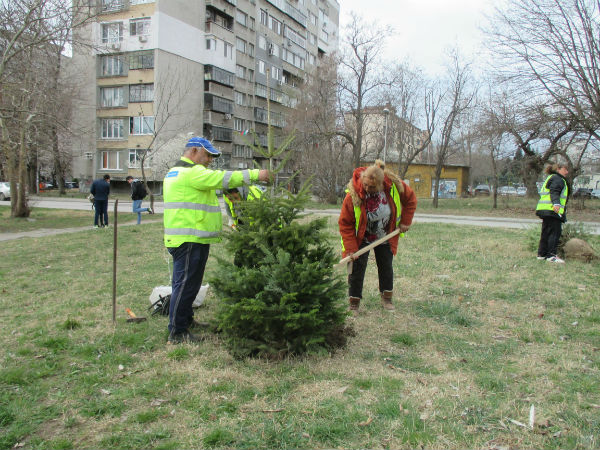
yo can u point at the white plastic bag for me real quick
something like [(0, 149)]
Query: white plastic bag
[(163, 291)]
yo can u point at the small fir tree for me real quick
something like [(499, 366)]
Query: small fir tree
[(279, 295)]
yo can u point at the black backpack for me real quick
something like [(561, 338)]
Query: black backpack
[(140, 190)]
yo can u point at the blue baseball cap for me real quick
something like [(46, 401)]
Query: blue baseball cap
[(198, 141)]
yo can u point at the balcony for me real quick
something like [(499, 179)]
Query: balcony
[(221, 134), (291, 11), (218, 104), (212, 73), (277, 119), (112, 6)]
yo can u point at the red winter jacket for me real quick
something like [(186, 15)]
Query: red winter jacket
[(356, 197)]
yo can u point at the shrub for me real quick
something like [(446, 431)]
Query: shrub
[(280, 294), (569, 231)]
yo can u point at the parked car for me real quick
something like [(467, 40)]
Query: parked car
[(481, 189), (71, 184), (596, 193), (4, 190), (522, 191), (507, 190), (583, 193)]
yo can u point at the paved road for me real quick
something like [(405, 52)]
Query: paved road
[(125, 206)]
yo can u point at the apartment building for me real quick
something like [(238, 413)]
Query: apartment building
[(157, 70)]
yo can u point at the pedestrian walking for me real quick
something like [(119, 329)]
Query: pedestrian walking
[(193, 221), (138, 193), (100, 189)]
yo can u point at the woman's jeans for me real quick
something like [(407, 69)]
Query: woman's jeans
[(384, 259)]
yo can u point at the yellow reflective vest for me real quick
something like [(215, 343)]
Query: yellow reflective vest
[(253, 193), (545, 202), (395, 195), (191, 207)]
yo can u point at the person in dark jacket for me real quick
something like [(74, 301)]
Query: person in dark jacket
[(138, 193), (552, 209), (100, 190)]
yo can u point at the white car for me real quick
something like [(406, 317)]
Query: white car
[(596, 193), (4, 190), (507, 190)]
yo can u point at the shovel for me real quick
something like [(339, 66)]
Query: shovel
[(348, 259)]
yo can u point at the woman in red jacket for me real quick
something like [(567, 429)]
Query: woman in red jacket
[(376, 203)]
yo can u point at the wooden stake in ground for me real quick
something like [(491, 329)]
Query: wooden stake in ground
[(348, 259), (114, 286)]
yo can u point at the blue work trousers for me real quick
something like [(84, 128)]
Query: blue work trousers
[(189, 261), (101, 213)]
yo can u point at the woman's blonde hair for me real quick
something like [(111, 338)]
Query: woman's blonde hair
[(553, 168), (375, 174)]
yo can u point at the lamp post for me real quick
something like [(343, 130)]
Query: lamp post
[(387, 113)]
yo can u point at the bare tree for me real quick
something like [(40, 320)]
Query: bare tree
[(29, 32), (548, 50), (413, 123), (458, 97), (361, 78), (321, 152)]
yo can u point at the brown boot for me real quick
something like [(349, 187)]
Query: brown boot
[(386, 300), (354, 304)]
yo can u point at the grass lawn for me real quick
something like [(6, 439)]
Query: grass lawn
[(482, 331)]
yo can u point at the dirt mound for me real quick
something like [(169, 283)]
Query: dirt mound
[(579, 249)]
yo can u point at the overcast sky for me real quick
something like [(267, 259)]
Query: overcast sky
[(425, 28)]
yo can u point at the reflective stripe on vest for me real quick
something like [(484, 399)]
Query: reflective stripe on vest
[(395, 197), (545, 202)]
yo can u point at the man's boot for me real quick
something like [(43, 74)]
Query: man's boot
[(354, 304), (386, 300)]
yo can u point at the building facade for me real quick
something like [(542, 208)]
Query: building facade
[(156, 71)]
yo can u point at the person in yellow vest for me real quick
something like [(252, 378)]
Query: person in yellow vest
[(232, 199), (193, 221), (377, 202), (552, 209)]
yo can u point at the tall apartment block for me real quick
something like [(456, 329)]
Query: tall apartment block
[(210, 58)]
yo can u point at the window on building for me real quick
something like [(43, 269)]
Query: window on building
[(262, 67), (250, 49), (113, 128), (112, 96), (112, 33), (274, 50), (275, 73), (141, 125), (141, 60), (275, 25), (324, 36), (240, 71), (135, 158), (312, 18), (112, 5), (261, 90), (241, 17), (262, 42), (228, 50), (141, 92), (211, 44), (252, 23), (140, 2), (111, 66), (312, 59), (238, 124), (264, 17), (240, 45), (110, 160), (139, 27), (250, 75), (240, 98)]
